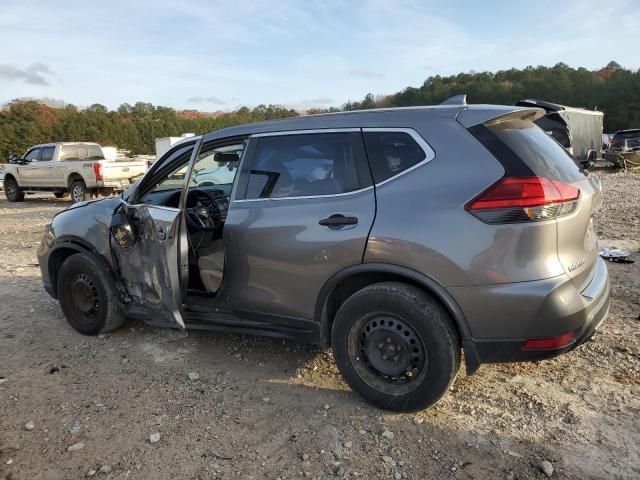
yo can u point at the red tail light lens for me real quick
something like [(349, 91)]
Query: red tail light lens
[(526, 199), (547, 343), (97, 169)]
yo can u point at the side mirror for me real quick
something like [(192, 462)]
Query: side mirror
[(122, 231)]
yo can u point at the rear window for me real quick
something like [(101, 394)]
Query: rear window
[(632, 139), (391, 153), (81, 152), (524, 149)]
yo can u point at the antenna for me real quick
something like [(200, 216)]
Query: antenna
[(456, 100)]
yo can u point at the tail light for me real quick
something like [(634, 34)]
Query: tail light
[(97, 169), (524, 199)]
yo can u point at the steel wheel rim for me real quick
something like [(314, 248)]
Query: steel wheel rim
[(374, 337), (84, 296)]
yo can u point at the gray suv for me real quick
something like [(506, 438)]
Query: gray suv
[(401, 237)]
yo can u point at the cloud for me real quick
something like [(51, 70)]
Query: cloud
[(358, 72), (318, 101), (212, 100), (34, 74)]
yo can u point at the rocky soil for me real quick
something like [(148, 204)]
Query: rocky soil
[(150, 403)]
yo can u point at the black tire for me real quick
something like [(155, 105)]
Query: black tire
[(12, 191), (60, 194), (86, 297), (78, 191), (396, 346)]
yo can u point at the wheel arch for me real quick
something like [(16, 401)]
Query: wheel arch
[(10, 176), (72, 177), (351, 279), (64, 248)]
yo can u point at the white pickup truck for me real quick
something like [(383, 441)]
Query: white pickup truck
[(79, 169)]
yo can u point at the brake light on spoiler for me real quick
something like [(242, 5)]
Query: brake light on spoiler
[(524, 199)]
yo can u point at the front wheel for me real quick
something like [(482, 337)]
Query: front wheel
[(12, 191), (78, 191), (87, 299), (396, 346)]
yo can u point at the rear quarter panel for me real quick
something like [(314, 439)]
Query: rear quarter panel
[(421, 222)]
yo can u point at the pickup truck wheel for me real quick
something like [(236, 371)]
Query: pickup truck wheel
[(396, 346), (60, 194), (87, 299), (78, 191), (12, 190)]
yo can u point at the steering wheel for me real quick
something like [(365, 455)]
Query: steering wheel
[(202, 212)]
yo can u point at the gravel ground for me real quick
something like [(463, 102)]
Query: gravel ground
[(150, 403)]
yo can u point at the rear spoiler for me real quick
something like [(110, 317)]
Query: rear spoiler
[(477, 114)]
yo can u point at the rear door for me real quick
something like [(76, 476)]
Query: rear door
[(301, 211), (148, 239)]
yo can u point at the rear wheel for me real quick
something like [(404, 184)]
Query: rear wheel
[(396, 346), (78, 191), (87, 299), (12, 191)]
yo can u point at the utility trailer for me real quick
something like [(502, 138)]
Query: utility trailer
[(578, 130)]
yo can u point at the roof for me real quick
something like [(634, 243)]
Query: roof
[(65, 143), (378, 117)]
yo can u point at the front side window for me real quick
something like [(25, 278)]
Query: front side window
[(391, 153), (303, 165), (216, 167), (47, 154), (32, 155)]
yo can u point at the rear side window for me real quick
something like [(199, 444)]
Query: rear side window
[(524, 149), (47, 154), (302, 165), (81, 152), (391, 153)]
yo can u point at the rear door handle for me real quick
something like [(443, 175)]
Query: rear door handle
[(338, 220)]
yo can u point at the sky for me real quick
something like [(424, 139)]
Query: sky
[(218, 55)]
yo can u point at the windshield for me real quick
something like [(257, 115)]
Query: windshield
[(81, 152)]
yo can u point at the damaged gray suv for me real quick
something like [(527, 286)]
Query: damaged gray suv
[(399, 237)]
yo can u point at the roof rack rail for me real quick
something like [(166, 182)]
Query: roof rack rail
[(456, 100)]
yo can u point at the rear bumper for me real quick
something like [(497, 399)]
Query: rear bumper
[(561, 308)]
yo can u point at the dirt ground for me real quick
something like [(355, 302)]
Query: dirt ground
[(265, 408)]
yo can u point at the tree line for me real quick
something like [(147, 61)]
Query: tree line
[(613, 89), (132, 127)]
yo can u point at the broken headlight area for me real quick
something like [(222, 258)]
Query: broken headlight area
[(122, 231)]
